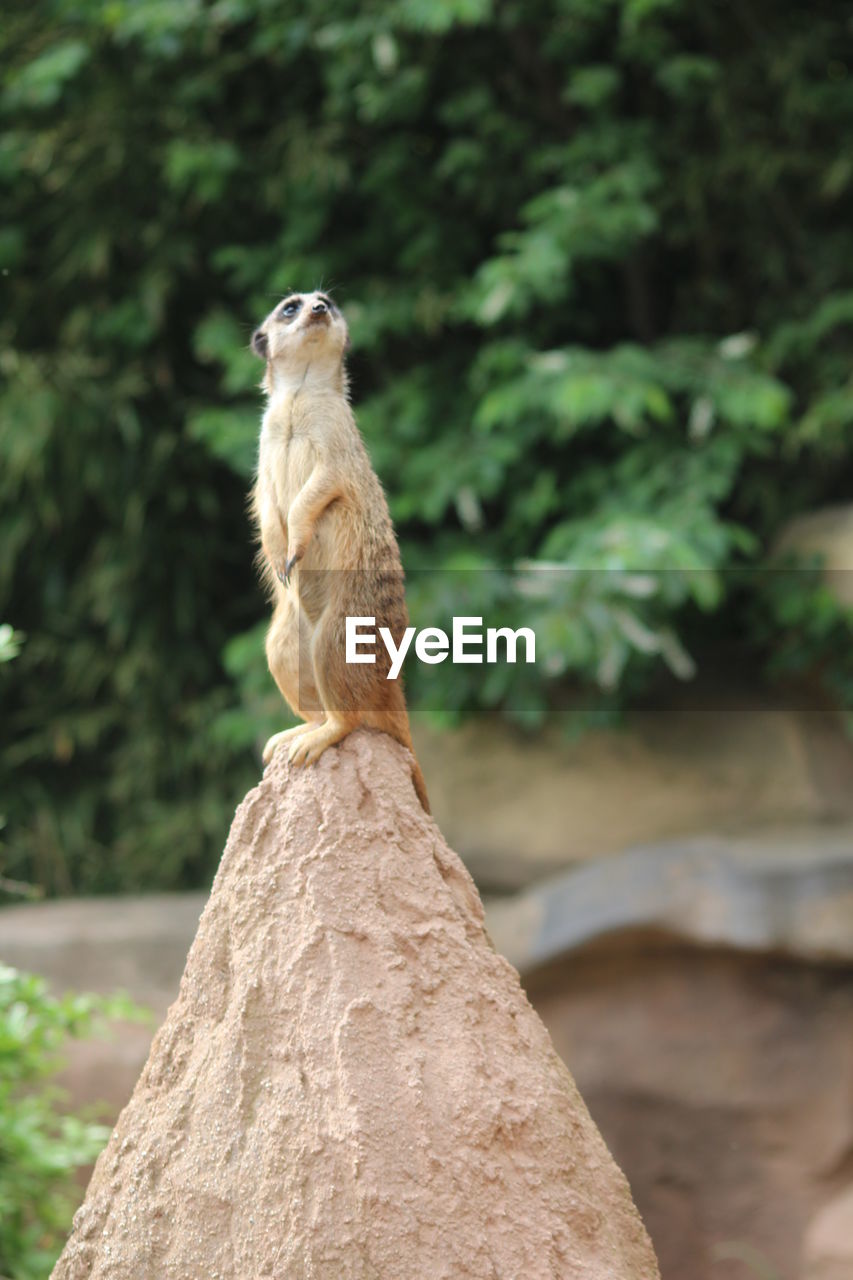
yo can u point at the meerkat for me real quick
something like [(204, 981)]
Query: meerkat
[(327, 546)]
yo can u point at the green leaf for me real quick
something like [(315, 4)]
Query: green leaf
[(40, 83), (229, 433)]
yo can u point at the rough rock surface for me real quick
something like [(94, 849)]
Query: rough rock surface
[(351, 1084)]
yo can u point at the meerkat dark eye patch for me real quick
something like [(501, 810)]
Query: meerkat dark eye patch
[(289, 308)]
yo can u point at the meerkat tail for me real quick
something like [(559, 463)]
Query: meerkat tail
[(420, 785), (417, 776)]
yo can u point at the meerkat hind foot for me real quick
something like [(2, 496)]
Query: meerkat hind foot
[(308, 748), (286, 735)]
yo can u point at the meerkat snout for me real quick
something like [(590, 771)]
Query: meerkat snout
[(319, 314)]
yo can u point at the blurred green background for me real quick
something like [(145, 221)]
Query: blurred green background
[(597, 261)]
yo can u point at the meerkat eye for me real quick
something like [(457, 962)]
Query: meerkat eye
[(290, 309)]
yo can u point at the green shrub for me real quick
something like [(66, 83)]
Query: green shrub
[(596, 259), (40, 1145)]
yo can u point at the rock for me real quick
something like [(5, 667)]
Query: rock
[(351, 1083), (828, 534), (523, 807), (720, 1078), (785, 891), (828, 1253), (722, 1084), (102, 944)]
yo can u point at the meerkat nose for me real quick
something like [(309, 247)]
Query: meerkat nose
[(319, 307)]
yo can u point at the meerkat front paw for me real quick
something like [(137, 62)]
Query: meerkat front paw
[(277, 739), (308, 748)]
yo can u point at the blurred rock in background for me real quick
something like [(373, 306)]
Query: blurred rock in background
[(829, 1243), (827, 536), (519, 807)]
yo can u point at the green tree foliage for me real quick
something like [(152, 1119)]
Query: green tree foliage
[(596, 262), (40, 1146)]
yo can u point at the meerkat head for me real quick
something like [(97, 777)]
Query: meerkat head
[(305, 332)]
